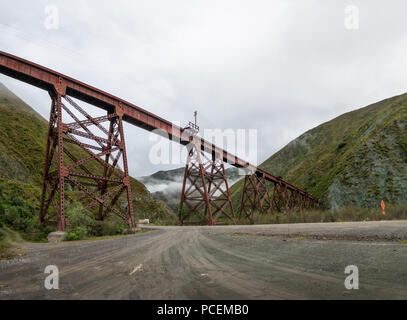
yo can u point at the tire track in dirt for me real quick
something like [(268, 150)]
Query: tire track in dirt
[(207, 263)]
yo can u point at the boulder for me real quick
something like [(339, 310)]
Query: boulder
[(56, 236)]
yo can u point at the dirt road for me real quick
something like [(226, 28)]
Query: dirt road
[(299, 261)]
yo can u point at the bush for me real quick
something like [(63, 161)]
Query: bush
[(80, 222), (1, 215), (17, 207), (393, 212), (71, 236), (109, 228), (19, 215), (38, 232), (112, 225)]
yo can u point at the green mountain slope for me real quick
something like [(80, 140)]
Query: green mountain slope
[(356, 159), (22, 136), (22, 148)]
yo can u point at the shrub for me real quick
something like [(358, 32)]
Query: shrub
[(393, 212), (38, 232), (17, 208), (71, 236), (19, 217), (108, 228), (81, 231), (1, 214), (80, 222), (112, 225)]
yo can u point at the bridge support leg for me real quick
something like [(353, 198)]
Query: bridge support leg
[(205, 190), (89, 162), (255, 196), (285, 199), (264, 198), (54, 183), (279, 199), (219, 194), (249, 197)]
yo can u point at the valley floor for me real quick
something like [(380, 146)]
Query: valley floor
[(297, 261)]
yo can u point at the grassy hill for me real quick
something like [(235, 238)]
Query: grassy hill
[(356, 159), (22, 148), (22, 137)]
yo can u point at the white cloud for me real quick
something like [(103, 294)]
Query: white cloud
[(281, 67)]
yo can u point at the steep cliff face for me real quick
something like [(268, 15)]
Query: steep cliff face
[(356, 159)]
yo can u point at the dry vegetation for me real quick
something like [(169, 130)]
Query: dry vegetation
[(340, 215)]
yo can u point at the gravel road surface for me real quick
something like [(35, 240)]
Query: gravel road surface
[(296, 261)]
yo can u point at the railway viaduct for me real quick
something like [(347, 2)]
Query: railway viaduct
[(205, 190)]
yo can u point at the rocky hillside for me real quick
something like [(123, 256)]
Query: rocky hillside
[(356, 159), (22, 148)]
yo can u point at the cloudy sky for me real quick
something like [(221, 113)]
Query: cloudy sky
[(281, 67)]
